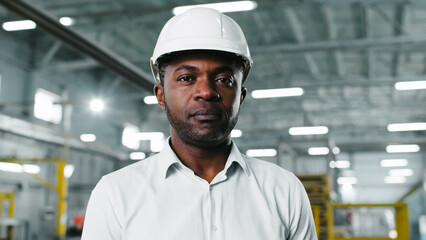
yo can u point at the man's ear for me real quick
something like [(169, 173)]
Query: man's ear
[(243, 94), (159, 93)]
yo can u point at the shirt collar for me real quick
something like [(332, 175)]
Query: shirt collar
[(167, 158)]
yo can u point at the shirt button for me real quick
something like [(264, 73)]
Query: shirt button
[(210, 188), (214, 228)]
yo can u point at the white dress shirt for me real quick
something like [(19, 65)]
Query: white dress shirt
[(160, 198)]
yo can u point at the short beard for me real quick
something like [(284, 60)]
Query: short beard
[(193, 136)]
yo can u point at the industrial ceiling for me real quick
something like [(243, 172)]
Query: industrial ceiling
[(347, 56)]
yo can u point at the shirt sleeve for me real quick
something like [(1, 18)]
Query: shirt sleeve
[(302, 225), (101, 221)]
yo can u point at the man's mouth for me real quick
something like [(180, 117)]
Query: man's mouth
[(206, 115)]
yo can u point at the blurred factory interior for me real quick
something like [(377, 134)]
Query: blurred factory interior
[(76, 103)]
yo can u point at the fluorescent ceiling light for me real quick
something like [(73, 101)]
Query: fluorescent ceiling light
[(19, 25), (411, 85), (308, 130), (236, 6), (398, 127), (68, 170), (393, 162), (402, 148), (11, 167), (318, 151), (236, 133), (31, 168), (394, 179), (149, 135), (88, 137), (97, 105), (340, 164), (66, 21), (406, 172), (157, 144), (278, 92), (347, 180), (269, 152), (150, 100), (137, 155)]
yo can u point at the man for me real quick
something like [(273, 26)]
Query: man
[(200, 186)]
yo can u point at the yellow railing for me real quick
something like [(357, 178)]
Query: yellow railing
[(402, 223), (60, 187), (11, 197)]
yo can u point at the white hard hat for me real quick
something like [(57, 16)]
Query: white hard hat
[(201, 29)]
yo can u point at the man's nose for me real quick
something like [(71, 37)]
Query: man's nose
[(206, 90)]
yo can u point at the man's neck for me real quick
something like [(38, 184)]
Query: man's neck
[(206, 162)]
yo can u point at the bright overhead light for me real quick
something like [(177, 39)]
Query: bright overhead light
[(278, 92), (318, 151), (11, 167), (398, 127), (393, 234), (346, 187), (157, 144), (149, 135), (393, 162), (269, 152), (402, 148), (340, 164), (150, 100), (410, 85), (336, 150), (31, 168), (97, 105), (66, 21), (137, 155), (19, 25), (88, 137), (128, 138), (395, 179), (236, 6), (406, 172), (308, 130), (347, 180), (68, 170), (236, 133)]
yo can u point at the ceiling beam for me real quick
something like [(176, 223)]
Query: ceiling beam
[(332, 35), (401, 16), (300, 38), (127, 70), (356, 44)]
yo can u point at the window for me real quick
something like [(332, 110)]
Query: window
[(47, 106)]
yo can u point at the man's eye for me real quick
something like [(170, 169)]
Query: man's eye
[(185, 79), (225, 80)]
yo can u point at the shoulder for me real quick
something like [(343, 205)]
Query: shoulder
[(272, 170), (142, 169), (272, 176)]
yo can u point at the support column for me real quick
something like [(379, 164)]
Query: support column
[(61, 188)]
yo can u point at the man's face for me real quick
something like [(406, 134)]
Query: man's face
[(202, 94)]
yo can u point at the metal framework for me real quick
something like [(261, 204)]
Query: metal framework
[(401, 219), (60, 187), (112, 61)]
